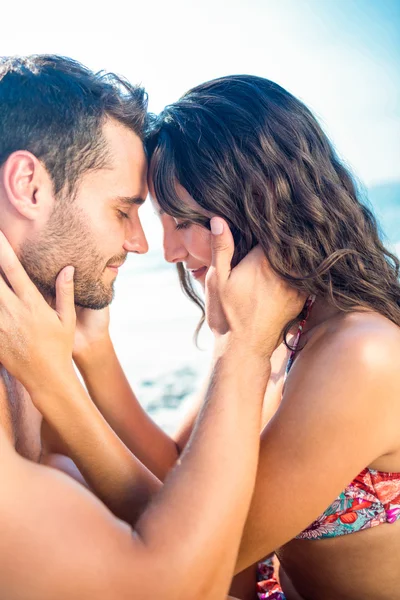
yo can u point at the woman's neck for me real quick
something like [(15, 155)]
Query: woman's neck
[(321, 312)]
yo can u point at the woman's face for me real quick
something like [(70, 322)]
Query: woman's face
[(185, 242)]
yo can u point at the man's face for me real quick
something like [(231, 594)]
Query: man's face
[(95, 231)]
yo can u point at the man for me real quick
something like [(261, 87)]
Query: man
[(58, 123), (72, 178)]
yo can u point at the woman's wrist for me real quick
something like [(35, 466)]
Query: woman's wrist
[(94, 353), (240, 357), (232, 343)]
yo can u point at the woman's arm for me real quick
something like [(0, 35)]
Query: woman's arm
[(111, 392), (111, 471)]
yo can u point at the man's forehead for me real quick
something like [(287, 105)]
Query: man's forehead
[(127, 164), (124, 146), (123, 185)]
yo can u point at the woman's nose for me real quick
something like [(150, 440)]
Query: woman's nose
[(174, 250)]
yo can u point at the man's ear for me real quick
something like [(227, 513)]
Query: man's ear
[(26, 183)]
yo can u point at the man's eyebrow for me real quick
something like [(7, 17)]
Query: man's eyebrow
[(130, 200)]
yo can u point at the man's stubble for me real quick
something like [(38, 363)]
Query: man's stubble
[(68, 240)]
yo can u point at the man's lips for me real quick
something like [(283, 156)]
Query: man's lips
[(114, 267)]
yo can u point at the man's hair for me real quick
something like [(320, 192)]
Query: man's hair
[(55, 108)]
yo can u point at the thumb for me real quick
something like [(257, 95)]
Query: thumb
[(65, 305), (222, 248)]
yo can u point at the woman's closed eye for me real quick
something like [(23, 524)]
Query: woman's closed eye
[(183, 225)]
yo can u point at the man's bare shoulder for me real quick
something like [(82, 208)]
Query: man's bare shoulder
[(39, 506)]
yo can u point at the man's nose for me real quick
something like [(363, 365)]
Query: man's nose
[(136, 240)]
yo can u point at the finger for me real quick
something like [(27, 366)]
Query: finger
[(65, 305), (14, 271), (7, 296), (222, 248)]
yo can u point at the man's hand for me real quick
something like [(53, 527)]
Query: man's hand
[(250, 302)]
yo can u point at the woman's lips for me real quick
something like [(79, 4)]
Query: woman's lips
[(198, 273)]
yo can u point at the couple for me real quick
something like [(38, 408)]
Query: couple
[(293, 447)]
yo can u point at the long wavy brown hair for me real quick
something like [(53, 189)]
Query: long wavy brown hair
[(247, 150)]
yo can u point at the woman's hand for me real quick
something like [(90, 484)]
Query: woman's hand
[(35, 340), (250, 302)]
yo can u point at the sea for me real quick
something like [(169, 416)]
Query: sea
[(152, 322)]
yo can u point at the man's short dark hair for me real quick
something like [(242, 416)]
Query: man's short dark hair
[(55, 108)]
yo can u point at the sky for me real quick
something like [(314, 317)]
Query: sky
[(340, 57)]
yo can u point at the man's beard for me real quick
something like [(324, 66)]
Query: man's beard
[(68, 240)]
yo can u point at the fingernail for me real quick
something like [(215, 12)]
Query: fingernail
[(69, 273), (217, 226)]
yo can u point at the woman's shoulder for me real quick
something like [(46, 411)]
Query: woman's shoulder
[(367, 338), (348, 374), (348, 371), (352, 354)]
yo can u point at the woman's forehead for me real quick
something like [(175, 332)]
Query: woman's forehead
[(184, 197)]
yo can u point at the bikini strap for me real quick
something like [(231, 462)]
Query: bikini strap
[(307, 307)]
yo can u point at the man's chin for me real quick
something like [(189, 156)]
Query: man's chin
[(95, 296), (94, 305), (94, 301)]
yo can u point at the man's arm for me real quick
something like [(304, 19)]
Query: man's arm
[(189, 535)]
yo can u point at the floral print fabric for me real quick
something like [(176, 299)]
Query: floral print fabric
[(268, 587), (372, 498)]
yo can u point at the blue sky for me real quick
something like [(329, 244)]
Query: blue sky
[(341, 57)]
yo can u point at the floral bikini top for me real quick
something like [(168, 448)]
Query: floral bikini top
[(372, 498)]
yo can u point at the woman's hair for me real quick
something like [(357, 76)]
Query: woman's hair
[(248, 151)]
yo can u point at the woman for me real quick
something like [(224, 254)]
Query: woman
[(243, 148)]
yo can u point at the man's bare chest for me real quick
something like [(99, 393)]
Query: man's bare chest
[(19, 418)]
